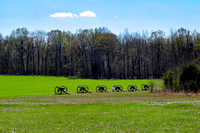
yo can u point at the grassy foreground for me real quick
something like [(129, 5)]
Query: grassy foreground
[(106, 112), (40, 85), (28, 104)]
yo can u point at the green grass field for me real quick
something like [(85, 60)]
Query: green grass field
[(38, 85), (37, 109)]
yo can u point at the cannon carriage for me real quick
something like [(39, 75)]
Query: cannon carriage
[(132, 88), (101, 88), (145, 87), (117, 88), (59, 90), (83, 89)]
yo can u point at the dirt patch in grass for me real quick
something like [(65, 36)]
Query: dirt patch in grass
[(161, 92), (94, 98)]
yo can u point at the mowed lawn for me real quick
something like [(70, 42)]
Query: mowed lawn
[(42, 85), (28, 104)]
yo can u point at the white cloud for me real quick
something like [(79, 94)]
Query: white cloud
[(87, 14), (63, 15), (116, 17)]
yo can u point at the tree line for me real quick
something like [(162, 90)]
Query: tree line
[(97, 53)]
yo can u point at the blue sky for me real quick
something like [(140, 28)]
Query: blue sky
[(116, 15)]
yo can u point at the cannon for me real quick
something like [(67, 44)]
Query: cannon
[(60, 90), (117, 88), (102, 88), (145, 87), (132, 88), (83, 89)]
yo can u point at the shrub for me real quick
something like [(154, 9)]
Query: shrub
[(193, 86), (198, 79), (169, 79), (190, 78), (189, 73)]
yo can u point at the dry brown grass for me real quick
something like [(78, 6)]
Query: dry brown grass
[(98, 98), (182, 93)]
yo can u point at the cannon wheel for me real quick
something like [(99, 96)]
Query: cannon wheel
[(64, 87), (86, 88), (129, 88), (97, 88), (132, 89), (79, 89), (136, 87), (105, 87), (100, 90), (147, 87), (143, 87), (121, 88), (57, 90)]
